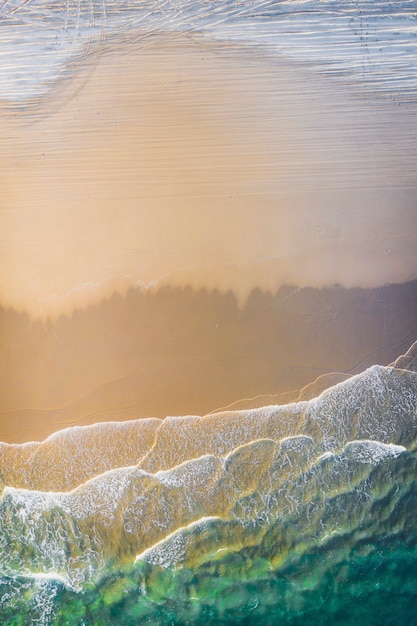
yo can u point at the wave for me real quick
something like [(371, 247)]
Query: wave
[(275, 343), (378, 404), (218, 519)]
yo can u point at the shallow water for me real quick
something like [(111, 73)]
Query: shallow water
[(208, 268), (279, 513)]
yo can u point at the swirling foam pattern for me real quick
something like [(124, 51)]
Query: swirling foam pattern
[(296, 514)]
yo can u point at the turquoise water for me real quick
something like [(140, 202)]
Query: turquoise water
[(301, 514), (308, 528)]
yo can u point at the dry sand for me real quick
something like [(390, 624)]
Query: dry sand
[(181, 163)]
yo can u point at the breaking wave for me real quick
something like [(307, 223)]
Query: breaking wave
[(292, 513)]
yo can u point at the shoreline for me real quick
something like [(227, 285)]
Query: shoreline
[(179, 351)]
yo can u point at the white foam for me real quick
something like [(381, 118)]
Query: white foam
[(373, 452), (172, 549)]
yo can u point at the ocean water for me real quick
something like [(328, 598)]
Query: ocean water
[(294, 514), (221, 150)]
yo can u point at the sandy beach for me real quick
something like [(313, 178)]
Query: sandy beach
[(158, 168), (208, 290)]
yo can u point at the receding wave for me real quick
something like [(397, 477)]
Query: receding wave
[(254, 516)]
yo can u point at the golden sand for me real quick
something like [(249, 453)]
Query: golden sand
[(180, 163)]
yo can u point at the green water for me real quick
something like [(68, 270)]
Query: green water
[(348, 558), (377, 585), (314, 528)]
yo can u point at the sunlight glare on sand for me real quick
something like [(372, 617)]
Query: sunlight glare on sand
[(166, 169)]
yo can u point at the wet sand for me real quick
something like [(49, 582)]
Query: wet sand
[(178, 352)]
